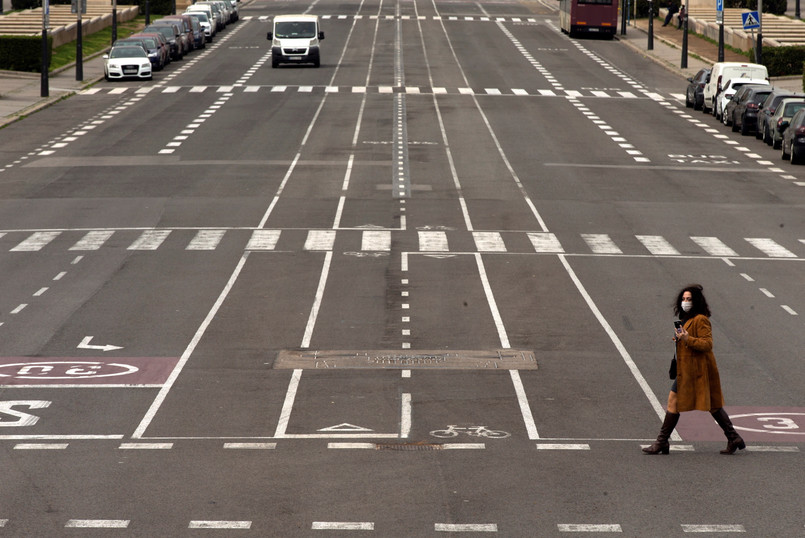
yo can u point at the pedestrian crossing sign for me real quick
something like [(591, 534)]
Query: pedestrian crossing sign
[(750, 20)]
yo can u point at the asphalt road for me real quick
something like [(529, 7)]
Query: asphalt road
[(426, 288)]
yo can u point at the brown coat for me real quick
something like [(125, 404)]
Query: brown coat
[(698, 383)]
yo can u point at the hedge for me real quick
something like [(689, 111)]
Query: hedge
[(23, 53)]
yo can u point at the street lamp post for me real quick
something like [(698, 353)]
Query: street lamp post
[(650, 25), (44, 89), (684, 64)]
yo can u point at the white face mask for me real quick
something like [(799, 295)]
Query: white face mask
[(687, 305)]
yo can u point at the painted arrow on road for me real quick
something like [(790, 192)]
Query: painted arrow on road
[(85, 344)]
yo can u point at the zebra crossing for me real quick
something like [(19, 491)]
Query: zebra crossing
[(464, 18), (408, 90), (381, 241)]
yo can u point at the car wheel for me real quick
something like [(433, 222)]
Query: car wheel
[(775, 144), (734, 125), (688, 104), (767, 137), (796, 158), (785, 156), (697, 105), (744, 128)]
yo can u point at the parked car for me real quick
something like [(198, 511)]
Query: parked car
[(744, 115), (207, 26), (793, 143), (165, 48), (782, 118), (127, 61), (724, 71), (213, 13), (185, 30), (765, 127), (152, 48), (694, 95), (186, 24), (729, 94), (172, 35)]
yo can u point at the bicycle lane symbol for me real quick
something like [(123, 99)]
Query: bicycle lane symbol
[(453, 430)]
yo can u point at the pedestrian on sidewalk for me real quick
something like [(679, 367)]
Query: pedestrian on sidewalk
[(681, 17), (672, 9), (697, 385)]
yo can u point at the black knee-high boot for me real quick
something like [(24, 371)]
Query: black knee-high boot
[(661, 445), (734, 441)]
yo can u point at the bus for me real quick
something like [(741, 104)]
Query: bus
[(594, 17)]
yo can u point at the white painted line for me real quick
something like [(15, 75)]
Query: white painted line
[(405, 418), (465, 527), (789, 309), (376, 240), (40, 292), (492, 91), (263, 240), (93, 240), (519, 91), (713, 528), (545, 242), (714, 246), (601, 244), (287, 406), (657, 245), (36, 241), (752, 448), (747, 277), (767, 293), (251, 446), (585, 527), (40, 446), (433, 242), (145, 446), (490, 299), (320, 240), (314, 309), (770, 247), (343, 526), (279, 89), (220, 525), (676, 448), (464, 446), (363, 446), (525, 408), (170, 89), (206, 240), (466, 91), (489, 241), (163, 393), (97, 524), (150, 240), (3, 523), (563, 446)]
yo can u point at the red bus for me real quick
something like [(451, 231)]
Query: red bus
[(589, 17)]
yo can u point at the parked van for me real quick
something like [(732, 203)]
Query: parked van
[(724, 71), (295, 39)]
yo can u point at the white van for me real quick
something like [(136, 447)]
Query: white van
[(724, 71), (295, 39)]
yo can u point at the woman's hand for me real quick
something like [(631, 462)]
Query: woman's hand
[(681, 334)]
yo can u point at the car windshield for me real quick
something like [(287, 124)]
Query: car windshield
[(167, 31), (791, 108), (295, 30), (127, 52), (200, 16)]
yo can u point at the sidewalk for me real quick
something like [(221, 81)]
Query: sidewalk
[(20, 93)]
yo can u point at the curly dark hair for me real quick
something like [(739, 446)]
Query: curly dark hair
[(699, 302)]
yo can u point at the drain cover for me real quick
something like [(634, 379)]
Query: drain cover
[(407, 446), (500, 359)]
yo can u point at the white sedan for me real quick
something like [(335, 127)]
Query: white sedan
[(122, 62)]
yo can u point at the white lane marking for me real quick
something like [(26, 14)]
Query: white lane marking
[(588, 527), (601, 244), (464, 446), (405, 418), (97, 524), (145, 446), (563, 446), (220, 525), (150, 240), (263, 240), (767, 293), (93, 240), (36, 241), (314, 310), (652, 398), (376, 240), (657, 245), (343, 526), (545, 242), (753, 448), (465, 527), (344, 187), (287, 406), (251, 446), (490, 299), (713, 528), (525, 408), (433, 242), (714, 246), (320, 240), (489, 241), (788, 309), (206, 240), (358, 446), (19, 308), (40, 446), (770, 247), (163, 393)]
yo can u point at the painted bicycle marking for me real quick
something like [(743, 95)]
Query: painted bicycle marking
[(453, 430)]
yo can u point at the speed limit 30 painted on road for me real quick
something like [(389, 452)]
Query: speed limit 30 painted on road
[(96, 371), (767, 424)]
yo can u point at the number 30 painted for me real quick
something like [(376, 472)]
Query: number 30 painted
[(22, 419)]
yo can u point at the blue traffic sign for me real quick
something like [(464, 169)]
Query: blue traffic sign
[(719, 5), (750, 20)]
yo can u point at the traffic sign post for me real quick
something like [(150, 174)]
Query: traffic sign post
[(751, 21), (720, 21)]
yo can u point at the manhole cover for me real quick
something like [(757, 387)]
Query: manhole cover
[(407, 446)]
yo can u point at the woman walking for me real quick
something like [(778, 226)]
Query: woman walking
[(697, 385)]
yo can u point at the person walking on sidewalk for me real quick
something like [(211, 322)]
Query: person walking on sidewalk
[(697, 385), (681, 17), (672, 9)]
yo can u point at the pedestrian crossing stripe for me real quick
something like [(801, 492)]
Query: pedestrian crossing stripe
[(386, 90), (469, 18), (426, 241)]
